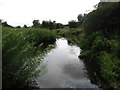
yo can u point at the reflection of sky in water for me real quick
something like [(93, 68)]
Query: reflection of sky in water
[(65, 69)]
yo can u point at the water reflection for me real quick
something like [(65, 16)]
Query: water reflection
[(74, 70), (65, 69)]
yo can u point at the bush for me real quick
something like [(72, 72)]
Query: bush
[(109, 70), (104, 54)]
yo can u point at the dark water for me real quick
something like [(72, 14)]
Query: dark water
[(64, 68)]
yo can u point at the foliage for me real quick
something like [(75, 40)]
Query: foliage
[(47, 24), (21, 57), (73, 35), (100, 42), (51, 25), (73, 24), (25, 26), (5, 24), (105, 19), (18, 26), (36, 23), (104, 54), (80, 19), (110, 68)]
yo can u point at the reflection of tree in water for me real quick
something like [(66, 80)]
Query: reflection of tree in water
[(93, 73)]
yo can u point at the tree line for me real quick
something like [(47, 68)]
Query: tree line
[(47, 24), (36, 24), (52, 24)]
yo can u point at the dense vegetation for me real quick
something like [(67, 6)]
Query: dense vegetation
[(73, 24), (23, 50), (102, 42), (77, 24), (99, 39), (47, 24), (96, 33)]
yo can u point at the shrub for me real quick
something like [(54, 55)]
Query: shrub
[(109, 70)]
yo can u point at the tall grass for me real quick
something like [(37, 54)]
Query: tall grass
[(22, 53), (73, 35)]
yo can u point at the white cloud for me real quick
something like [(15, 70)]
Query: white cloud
[(20, 12)]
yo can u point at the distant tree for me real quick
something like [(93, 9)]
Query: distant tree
[(73, 24), (18, 26), (58, 25), (80, 19), (51, 25), (25, 26), (36, 23), (5, 24), (45, 24)]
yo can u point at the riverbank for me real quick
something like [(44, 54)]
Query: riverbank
[(99, 40), (76, 37), (23, 50), (96, 56), (96, 33)]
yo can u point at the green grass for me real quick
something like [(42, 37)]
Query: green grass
[(23, 50), (73, 35)]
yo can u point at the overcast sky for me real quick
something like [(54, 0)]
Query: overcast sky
[(20, 12)]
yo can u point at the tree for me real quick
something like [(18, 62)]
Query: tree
[(6, 24), (36, 23), (58, 25), (73, 24), (18, 26), (45, 24), (51, 25), (80, 19), (25, 26)]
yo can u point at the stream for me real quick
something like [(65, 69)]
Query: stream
[(64, 68)]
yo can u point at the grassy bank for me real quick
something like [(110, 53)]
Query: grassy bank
[(73, 35), (104, 54), (99, 40), (99, 54), (101, 44), (23, 50)]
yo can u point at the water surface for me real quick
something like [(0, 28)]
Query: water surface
[(64, 68)]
